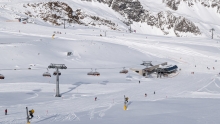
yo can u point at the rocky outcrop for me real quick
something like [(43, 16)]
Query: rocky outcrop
[(54, 12), (165, 20), (132, 10), (173, 4)]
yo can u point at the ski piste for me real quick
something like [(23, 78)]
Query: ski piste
[(191, 95)]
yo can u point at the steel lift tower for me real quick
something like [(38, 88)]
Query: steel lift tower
[(57, 73)]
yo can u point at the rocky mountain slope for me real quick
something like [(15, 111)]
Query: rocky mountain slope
[(54, 13), (162, 17), (164, 20), (173, 4)]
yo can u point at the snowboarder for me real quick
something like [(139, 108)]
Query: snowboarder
[(154, 92), (145, 95), (95, 98), (31, 112), (6, 111)]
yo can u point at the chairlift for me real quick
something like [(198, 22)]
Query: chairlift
[(47, 74), (96, 73), (124, 71), (55, 73), (2, 76), (90, 73)]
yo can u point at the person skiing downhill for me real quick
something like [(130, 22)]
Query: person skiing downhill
[(6, 111)]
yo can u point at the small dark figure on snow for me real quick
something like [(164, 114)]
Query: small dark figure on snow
[(6, 111), (145, 95), (126, 99), (139, 82), (31, 112), (154, 92), (95, 98)]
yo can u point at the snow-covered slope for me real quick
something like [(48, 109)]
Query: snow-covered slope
[(99, 39), (145, 16)]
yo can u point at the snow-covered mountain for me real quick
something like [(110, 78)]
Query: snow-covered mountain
[(97, 39), (161, 17)]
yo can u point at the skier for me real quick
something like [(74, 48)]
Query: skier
[(6, 111), (31, 112), (145, 95), (95, 98), (154, 92), (53, 36), (139, 82)]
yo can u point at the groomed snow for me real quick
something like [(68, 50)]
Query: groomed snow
[(183, 98)]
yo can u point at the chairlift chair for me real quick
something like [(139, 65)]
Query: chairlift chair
[(46, 74), (2, 76), (124, 71), (96, 73), (55, 73), (90, 73)]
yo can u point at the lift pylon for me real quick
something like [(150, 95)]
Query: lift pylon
[(57, 67)]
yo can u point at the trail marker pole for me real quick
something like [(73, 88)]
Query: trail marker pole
[(28, 122), (211, 30)]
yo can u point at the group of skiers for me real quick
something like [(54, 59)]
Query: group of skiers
[(145, 93), (31, 112)]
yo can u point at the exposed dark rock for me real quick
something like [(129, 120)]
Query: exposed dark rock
[(54, 12), (173, 4), (165, 20)]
